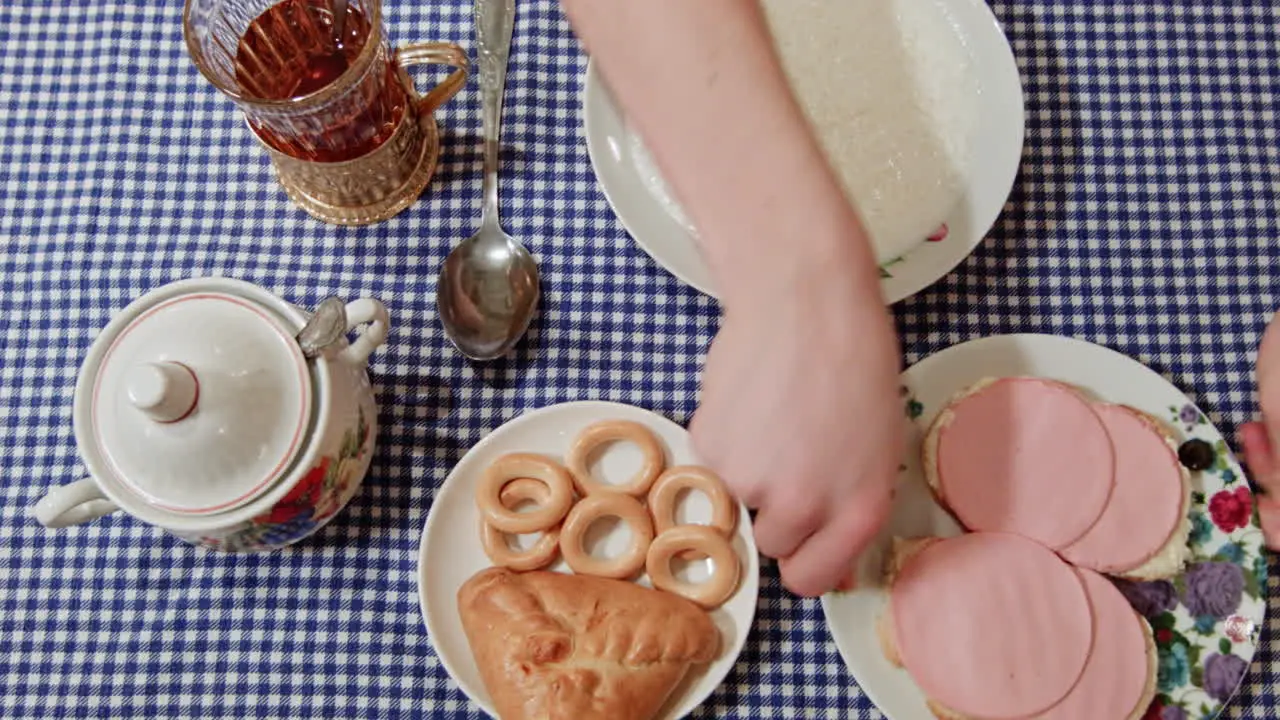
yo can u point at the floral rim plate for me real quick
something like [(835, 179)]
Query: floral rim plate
[(622, 166), (1206, 621), (450, 550)]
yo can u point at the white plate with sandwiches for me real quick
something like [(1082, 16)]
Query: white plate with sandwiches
[(555, 641), (1195, 586), (918, 104)]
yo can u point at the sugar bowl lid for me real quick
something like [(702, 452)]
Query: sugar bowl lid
[(200, 403)]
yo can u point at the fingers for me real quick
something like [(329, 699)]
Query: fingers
[(823, 562), (849, 582), (785, 522), (712, 436), (1259, 455), (1269, 519)]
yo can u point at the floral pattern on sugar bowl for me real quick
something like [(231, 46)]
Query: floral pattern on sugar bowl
[(199, 411), (324, 491)]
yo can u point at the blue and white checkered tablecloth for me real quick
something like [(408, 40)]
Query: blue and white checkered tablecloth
[(1145, 219)]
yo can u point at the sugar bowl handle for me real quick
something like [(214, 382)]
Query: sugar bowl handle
[(359, 312), (73, 504)]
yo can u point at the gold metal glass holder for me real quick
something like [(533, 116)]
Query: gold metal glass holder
[(382, 183)]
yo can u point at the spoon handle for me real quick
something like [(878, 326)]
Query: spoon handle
[(495, 20)]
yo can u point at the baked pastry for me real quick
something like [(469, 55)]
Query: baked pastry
[(554, 646)]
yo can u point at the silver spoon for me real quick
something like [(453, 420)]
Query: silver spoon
[(325, 326), (488, 286)]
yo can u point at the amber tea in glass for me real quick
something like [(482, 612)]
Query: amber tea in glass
[(348, 134), (291, 51)]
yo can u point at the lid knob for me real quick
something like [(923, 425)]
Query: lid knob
[(166, 391)]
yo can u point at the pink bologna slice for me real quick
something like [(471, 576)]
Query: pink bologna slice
[(1146, 504), (992, 625), (1026, 456), (1116, 674)]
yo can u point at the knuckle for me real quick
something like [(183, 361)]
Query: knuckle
[(772, 539), (804, 580), (798, 513), (783, 526)]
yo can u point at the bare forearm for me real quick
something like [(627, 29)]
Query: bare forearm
[(700, 81)]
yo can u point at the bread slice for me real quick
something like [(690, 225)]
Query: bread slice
[(1153, 659), (1168, 562), (900, 554), (554, 646)]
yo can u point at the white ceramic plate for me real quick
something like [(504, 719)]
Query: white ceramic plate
[(1228, 560), (450, 550), (996, 152)]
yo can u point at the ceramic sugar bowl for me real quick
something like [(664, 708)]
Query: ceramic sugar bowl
[(197, 411)]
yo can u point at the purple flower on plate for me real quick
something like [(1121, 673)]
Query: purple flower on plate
[(1213, 588), (1189, 414), (1150, 599), (1222, 674), (1173, 712)]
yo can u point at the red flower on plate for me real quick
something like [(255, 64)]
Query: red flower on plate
[(1155, 712), (303, 495), (1164, 636), (939, 235), (1231, 509)]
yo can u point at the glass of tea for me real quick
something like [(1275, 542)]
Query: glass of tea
[(319, 86)]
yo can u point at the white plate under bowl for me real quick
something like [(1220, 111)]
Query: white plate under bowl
[(1107, 375), (995, 152), (450, 551)]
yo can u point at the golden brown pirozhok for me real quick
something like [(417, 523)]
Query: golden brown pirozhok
[(552, 646)]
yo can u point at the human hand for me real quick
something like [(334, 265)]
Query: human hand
[(1260, 457), (1260, 439), (800, 416)]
